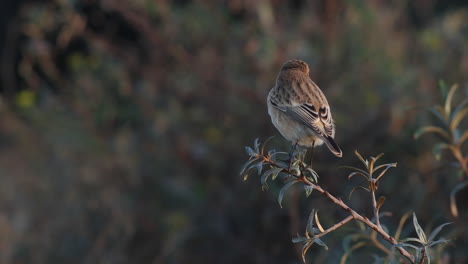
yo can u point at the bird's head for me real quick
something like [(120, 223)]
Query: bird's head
[(295, 65)]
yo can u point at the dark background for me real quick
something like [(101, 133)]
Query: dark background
[(123, 125)]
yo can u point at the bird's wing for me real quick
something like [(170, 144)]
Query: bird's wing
[(305, 114)]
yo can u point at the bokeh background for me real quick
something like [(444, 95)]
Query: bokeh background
[(123, 124)]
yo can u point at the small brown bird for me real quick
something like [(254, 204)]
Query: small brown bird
[(299, 110)]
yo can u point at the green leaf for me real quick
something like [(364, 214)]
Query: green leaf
[(276, 172), (438, 112), (256, 145), (462, 138), (413, 239), (308, 189), (246, 165), (321, 243), (355, 188), (401, 223), (314, 175), (310, 224), (365, 162), (274, 154), (361, 172), (299, 239), (264, 144), (459, 107), (453, 201), (448, 100), (432, 129), (250, 151), (268, 173), (387, 166), (283, 190), (419, 230), (259, 167), (366, 177), (457, 119), (436, 231), (435, 243)]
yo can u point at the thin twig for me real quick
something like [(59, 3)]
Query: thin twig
[(345, 207), (423, 255), (358, 217), (335, 226), (376, 209)]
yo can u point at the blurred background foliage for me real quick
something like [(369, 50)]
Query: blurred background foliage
[(123, 124)]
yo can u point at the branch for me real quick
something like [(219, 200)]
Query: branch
[(358, 217), (335, 226), (353, 214)]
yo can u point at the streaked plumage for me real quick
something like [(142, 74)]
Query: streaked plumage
[(299, 109)]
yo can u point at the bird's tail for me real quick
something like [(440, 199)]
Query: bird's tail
[(333, 147)]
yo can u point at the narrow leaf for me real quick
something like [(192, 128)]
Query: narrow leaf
[(321, 243), (388, 166), (372, 163), (413, 239), (457, 119), (275, 173), (462, 138), (256, 145), (313, 173), (365, 162), (438, 112), (419, 230), (362, 172), (401, 223), (453, 200), (357, 187), (268, 173), (250, 151), (283, 190), (436, 231), (435, 243), (432, 129), (264, 144), (299, 239), (308, 189), (305, 248), (246, 165), (317, 222), (448, 100), (259, 167), (380, 202), (366, 177), (310, 224), (460, 107)]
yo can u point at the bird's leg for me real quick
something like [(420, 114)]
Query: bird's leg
[(291, 153)]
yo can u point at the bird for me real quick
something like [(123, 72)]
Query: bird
[(299, 110)]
